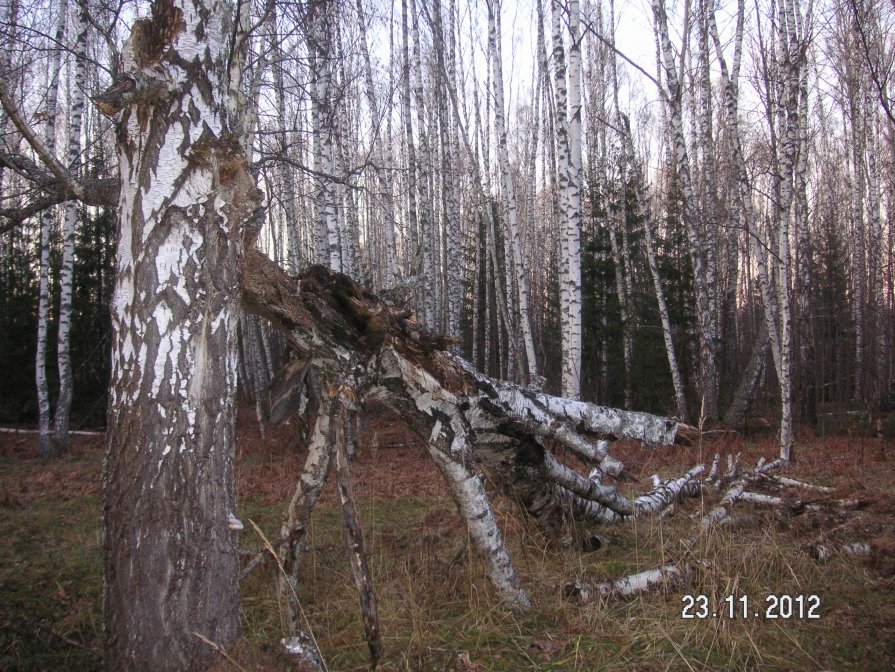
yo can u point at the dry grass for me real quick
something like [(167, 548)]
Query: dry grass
[(438, 613)]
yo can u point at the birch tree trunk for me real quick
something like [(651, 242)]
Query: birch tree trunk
[(730, 83), (704, 313), (568, 132), (171, 560), (386, 194), (447, 123), (413, 223), (284, 166), (424, 202), (319, 36), (571, 223), (664, 316), (793, 46), (63, 403), (45, 446), (875, 297), (521, 275)]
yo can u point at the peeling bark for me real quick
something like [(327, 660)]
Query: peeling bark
[(171, 563)]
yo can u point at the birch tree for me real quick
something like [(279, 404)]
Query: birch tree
[(518, 260), (748, 210), (319, 37), (423, 179), (783, 95), (704, 314), (385, 195), (76, 112), (568, 133), (171, 560), (45, 446)]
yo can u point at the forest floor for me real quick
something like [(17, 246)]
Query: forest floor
[(437, 609)]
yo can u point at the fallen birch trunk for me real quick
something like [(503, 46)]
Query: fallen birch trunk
[(823, 552), (346, 331), (666, 576)]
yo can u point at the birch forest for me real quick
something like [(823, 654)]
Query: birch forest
[(519, 231), (699, 228)]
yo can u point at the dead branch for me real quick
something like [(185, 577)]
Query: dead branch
[(585, 591)]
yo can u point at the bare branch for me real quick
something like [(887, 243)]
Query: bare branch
[(61, 173)]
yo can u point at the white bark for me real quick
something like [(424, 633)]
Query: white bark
[(730, 82), (294, 527), (169, 485), (424, 194), (386, 194), (76, 113), (824, 552), (320, 47), (449, 168), (568, 132), (296, 256), (46, 222), (704, 313), (469, 494), (521, 275), (413, 222), (448, 445), (793, 59), (791, 482), (666, 576)]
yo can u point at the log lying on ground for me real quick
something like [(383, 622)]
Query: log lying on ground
[(585, 591), (823, 552), (762, 475), (343, 335)]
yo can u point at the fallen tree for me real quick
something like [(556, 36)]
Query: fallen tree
[(352, 348)]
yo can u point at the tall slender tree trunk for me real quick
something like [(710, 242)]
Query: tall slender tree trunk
[(783, 119), (521, 275), (171, 560), (447, 123), (284, 166), (76, 114), (704, 309), (424, 193), (413, 223), (384, 184), (618, 227), (568, 132), (45, 446)]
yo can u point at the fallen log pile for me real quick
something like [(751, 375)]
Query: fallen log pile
[(350, 348)]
